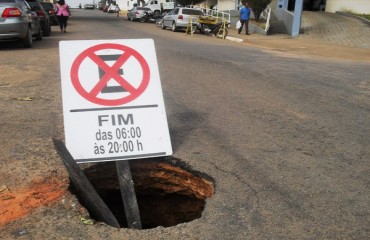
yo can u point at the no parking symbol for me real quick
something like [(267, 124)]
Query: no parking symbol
[(112, 100), (109, 73)]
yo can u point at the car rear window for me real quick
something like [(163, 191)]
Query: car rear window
[(191, 12), (143, 8), (47, 6)]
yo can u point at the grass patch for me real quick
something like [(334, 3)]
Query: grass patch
[(367, 16)]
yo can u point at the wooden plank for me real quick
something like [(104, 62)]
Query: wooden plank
[(84, 188), (128, 194)]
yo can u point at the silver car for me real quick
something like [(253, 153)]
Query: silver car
[(179, 18), (138, 13), (18, 22)]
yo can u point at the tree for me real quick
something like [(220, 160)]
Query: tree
[(141, 3), (258, 6), (189, 2)]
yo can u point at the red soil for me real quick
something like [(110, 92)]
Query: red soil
[(18, 203)]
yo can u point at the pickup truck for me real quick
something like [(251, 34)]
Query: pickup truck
[(160, 6)]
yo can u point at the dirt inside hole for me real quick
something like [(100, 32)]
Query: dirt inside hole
[(168, 192)]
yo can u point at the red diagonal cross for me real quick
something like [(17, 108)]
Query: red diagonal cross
[(111, 72)]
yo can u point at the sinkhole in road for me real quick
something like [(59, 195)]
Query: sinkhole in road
[(168, 191)]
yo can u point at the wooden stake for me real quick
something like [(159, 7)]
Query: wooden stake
[(83, 186)]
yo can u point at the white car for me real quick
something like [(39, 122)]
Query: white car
[(179, 18), (113, 9)]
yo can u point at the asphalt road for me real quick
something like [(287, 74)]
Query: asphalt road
[(285, 138)]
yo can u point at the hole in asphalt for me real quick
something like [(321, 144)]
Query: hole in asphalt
[(168, 192)]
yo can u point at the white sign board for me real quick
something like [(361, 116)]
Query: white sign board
[(112, 100)]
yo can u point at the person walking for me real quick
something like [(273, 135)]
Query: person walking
[(63, 13), (117, 10), (245, 12)]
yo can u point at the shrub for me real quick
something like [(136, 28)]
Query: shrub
[(258, 6)]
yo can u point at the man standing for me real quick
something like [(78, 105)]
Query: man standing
[(245, 12)]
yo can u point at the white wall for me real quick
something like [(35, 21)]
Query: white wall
[(125, 5), (355, 6), (226, 5)]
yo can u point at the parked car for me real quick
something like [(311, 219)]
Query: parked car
[(137, 13), (179, 18), (18, 22), (43, 16), (105, 8), (51, 10), (112, 9), (100, 6), (89, 6)]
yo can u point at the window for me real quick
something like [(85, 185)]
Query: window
[(191, 12)]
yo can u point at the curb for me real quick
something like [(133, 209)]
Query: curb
[(354, 16), (234, 39)]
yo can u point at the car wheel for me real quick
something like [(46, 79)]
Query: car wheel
[(39, 34), (27, 41), (174, 28), (128, 18), (163, 26), (158, 22), (132, 19)]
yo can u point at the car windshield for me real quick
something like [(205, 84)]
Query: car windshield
[(191, 12), (34, 4)]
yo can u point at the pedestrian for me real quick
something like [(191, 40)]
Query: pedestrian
[(63, 13), (245, 12), (117, 10)]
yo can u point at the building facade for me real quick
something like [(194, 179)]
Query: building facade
[(355, 6)]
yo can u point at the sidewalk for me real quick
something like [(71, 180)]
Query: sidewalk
[(323, 34)]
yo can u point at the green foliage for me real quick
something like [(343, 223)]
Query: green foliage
[(258, 6), (188, 2), (367, 16)]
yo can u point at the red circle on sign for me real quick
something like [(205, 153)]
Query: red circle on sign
[(110, 72)]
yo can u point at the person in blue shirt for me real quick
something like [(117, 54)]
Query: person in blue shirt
[(245, 12)]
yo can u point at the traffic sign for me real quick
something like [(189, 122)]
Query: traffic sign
[(112, 100), (110, 72)]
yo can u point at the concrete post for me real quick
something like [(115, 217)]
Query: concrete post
[(297, 18), (282, 4)]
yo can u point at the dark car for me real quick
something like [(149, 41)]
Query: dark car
[(51, 10), (18, 22), (43, 15)]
